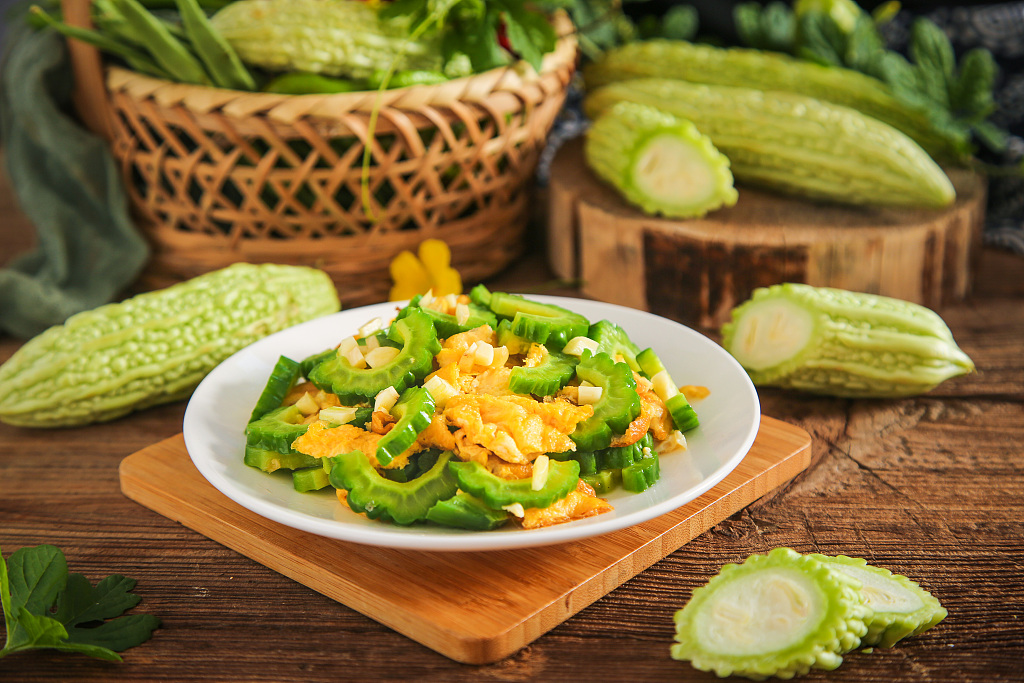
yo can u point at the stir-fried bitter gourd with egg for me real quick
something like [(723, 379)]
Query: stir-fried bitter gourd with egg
[(474, 412)]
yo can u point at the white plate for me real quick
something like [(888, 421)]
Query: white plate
[(219, 409)]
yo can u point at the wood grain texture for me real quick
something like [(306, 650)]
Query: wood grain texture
[(472, 607), (697, 270), (929, 487)]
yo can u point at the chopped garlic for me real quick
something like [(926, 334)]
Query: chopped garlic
[(355, 358), (347, 344), (483, 354), (589, 395), (675, 441), (440, 390), (427, 298), (385, 400), (577, 345), (663, 385), (450, 301), (338, 414), (372, 326), (500, 356), (381, 356), (307, 405), (540, 472), (516, 509), (372, 342), (461, 314)]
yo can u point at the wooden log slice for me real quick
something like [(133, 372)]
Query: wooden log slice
[(695, 271)]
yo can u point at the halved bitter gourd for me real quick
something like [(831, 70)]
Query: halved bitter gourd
[(414, 410), (546, 324), (413, 362), (553, 373), (900, 607), (778, 614), (659, 162), (618, 406), (794, 144), (832, 341)]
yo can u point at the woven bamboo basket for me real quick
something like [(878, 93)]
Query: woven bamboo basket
[(217, 176)]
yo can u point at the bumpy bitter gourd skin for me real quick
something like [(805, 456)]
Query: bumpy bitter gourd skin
[(794, 144), (337, 38), (154, 347), (659, 162), (901, 608), (832, 341), (618, 406), (779, 614), (744, 67)]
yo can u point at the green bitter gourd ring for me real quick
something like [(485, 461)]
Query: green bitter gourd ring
[(901, 607), (778, 614), (659, 162)]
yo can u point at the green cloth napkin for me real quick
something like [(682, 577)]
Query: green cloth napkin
[(67, 184)]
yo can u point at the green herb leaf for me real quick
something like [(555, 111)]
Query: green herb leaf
[(933, 54), (971, 94), (680, 22), (530, 34), (44, 607)]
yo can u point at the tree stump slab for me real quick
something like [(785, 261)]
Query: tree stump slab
[(695, 271)]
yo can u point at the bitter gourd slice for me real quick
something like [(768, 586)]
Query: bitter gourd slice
[(272, 461), (832, 341), (414, 410), (400, 502), (310, 479), (614, 341), (282, 379), (618, 406), (642, 474), (749, 68), (154, 347), (682, 413), (794, 144), (617, 457), (553, 373), (464, 511), (447, 324), (276, 430), (495, 492), (534, 321), (659, 162), (778, 614), (413, 362), (900, 607)]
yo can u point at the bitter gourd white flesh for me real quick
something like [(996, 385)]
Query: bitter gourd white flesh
[(779, 614), (336, 38), (658, 161), (744, 67), (794, 144), (155, 347), (841, 343), (900, 607)]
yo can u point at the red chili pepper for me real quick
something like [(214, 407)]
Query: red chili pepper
[(503, 37)]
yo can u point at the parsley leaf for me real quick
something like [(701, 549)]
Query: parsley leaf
[(45, 607)]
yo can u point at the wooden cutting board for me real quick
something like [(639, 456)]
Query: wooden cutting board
[(474, 607), (695, 271)]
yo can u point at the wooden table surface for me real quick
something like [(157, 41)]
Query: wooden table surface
[(930, 487)]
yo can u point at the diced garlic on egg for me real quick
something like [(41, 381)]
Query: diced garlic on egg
[(500, 356), (461, 314), (675, 441), (540, 472), (385, 400), (483, 354)]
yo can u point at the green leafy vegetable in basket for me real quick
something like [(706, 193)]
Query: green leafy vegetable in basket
[(46, 607)]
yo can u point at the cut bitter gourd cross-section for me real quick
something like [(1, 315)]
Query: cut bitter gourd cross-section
[(900, 607), (778, 614), (659, 162)]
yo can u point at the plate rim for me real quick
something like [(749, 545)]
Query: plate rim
[(453, 540)]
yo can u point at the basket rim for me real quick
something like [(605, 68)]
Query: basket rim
[(513, 79)]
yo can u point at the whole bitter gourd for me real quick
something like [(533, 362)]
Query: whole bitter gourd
[(832, 341), (794, 144), (658, 161), (154, 347), (744, 67), (334, 38)]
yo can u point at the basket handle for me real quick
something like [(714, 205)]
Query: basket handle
[(90, 90)]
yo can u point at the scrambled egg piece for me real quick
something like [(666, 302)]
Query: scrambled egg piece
[(515, 428), (654, 416), (321, 441), (583, 502), (457, 344)]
